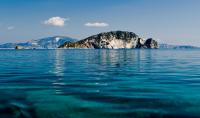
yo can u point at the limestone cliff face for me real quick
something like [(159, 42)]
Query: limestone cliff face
[(112, 40)]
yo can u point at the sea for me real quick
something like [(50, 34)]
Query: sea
[(101, 83)]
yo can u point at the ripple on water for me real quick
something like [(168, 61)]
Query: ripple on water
[(99, 83)]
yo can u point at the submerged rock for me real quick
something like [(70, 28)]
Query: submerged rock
[(16, 110), (15, 106), (112, 40)]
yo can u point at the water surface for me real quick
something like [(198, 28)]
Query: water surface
[(99, 83)]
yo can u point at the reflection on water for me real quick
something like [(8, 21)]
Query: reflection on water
[(58, 71), (99, 83)]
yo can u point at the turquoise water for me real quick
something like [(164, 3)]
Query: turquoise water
[(99, 83)]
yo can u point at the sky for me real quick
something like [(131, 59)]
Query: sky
[(168, 21)]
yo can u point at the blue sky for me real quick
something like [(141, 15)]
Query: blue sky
[(169, 21)]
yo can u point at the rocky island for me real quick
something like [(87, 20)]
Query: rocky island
[(113, 40)]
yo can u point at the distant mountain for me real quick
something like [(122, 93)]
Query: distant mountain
[(168, 46), (113, 40), (44, 43)]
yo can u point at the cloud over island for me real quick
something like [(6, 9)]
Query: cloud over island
[(96, 24), (56, 21)]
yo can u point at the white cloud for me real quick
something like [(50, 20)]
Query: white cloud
[(97, 24), (56, 21), (10, 28)]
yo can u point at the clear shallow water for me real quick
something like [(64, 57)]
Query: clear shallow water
[(99, 83)]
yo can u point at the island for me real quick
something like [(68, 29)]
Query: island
[(113, 40)]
